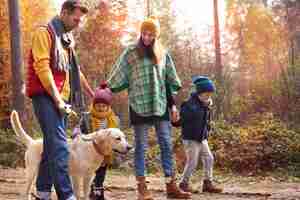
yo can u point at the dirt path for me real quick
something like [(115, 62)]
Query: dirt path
[(12, 185)]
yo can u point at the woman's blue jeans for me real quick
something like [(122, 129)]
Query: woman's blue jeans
[(163, 134), (53, 168)]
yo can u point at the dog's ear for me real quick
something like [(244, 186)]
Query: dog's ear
[(104, 143), (89, 137), (108, 132)]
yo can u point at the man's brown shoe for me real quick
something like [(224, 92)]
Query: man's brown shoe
[(142, 190)]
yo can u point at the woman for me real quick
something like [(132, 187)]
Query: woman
[(147, 71)]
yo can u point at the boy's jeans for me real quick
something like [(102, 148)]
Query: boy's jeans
[(193, 150), (53, 169), (163, 134)]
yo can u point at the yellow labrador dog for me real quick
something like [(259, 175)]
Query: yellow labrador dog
[(86, 154)]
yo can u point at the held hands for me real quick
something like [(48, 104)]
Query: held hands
[(174, 114), (210, 102)]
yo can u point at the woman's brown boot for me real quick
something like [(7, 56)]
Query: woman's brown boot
[(209, 187), (143, 192), (173, 191)]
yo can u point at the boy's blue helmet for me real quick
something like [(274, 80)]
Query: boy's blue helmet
[(203, 84)]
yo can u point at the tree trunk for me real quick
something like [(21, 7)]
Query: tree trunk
[(218, 62), (148, 11), (18, 98), (265, 2)]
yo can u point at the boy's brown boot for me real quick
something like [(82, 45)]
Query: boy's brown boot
[(184, 186), (209, 187), (142, 190), (173, 191)]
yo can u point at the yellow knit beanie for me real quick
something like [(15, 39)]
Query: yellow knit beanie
[(151, 24)]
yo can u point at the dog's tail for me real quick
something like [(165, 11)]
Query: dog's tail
[(16, 125)]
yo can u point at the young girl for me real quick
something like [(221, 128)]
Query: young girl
[(101, 117), (194, 119)]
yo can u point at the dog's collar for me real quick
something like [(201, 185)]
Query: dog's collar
[(119, 152), (97, 148)]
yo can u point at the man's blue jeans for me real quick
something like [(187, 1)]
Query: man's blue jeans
[(54, 164), (163, 134)]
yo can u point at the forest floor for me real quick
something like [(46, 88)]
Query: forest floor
[(122, 187)]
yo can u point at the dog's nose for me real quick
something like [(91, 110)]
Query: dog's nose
[(129, 147)]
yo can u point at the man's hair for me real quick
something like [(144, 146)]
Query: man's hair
[(71, 5)]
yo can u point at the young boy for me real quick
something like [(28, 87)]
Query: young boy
[(194, 119), (101, 117)]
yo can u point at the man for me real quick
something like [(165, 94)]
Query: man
[(149, 74), (53, 80)]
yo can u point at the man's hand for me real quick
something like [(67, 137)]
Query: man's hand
[(174, 114), (86, 86), (65, 108)]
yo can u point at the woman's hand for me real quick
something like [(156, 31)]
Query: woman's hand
[(174, 114)]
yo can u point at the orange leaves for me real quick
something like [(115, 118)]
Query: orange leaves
[(260, 44), (5, 83), (100, 41), (262, 40), (4, 26), (33, 14)]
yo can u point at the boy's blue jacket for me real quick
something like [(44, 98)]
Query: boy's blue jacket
[(194, 119)]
